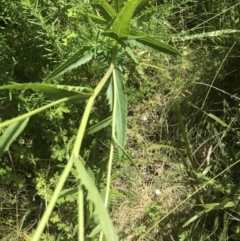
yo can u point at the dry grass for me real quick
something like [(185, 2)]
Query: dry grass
[(141, 207)]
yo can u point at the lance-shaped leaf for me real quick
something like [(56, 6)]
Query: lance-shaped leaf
[(152, 43), (95, 18), (141, 5), (79, 58), (122, 22), (195, 217), (52, 90), (99, 126), (106, 10), (94, 196), (116, 86), (10, 134)]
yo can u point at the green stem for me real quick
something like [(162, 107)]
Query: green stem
[(75, 153), (111, 149), (34, 112), (80, 214)]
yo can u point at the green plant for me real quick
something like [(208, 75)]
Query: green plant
[(112, 41)]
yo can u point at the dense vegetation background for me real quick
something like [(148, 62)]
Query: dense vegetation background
[(182, 130)]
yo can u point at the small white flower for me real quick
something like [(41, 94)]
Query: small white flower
[(144, 118), (157, 192)]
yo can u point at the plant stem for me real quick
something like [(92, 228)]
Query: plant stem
[(75, 153)]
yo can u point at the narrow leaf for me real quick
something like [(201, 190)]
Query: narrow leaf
[(152, 43), (99, 126), (121, 109), (81, 57), (68, 192), (118, 5), (218, 120), (94, 18), (126, 155), (195, 217), (217, 206), (52, 90), (95, 198), (122, 22), (10, 134), (206, 170), (114, 36), (131, 54), (95, 231), (141, 5)]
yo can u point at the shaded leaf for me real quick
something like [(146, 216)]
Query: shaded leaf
[(118, 5), (10, 134), (126, 155), (122, 22), (94, 196), (95, 231), (99, 126), (106, 10), (68, 192), (52, 90), (114, 36), (141, 5), (79, 58), (195, 217), (152, 43), (95, 18)]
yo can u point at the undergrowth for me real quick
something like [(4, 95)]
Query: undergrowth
[(180, 179)]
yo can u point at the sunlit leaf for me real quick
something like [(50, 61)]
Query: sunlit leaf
[(79, 58), (94, 196), (218, 120), (121, 112), (121, 106), (152, 43), (217, 206), (10, 135), (131, 54), (122, 22), (206, 170), (52, 90)]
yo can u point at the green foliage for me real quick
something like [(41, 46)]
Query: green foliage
[(10, 134), (65, 165)]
